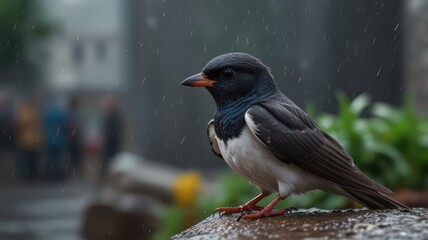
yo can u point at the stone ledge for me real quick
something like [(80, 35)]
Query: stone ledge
[(314, 223)]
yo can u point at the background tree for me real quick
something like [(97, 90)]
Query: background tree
[(21, 26)]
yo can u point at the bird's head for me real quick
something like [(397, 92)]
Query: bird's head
[(232, 77)]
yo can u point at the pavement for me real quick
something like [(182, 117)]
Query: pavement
[(44, 210)]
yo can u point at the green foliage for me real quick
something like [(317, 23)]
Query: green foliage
[(390, 146), (18, 25)]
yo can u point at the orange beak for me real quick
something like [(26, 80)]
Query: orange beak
[(198, 80)]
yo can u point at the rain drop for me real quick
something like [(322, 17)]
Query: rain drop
[(378, 72), (396, 27)]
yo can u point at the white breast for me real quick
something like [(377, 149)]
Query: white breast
[(248, 157)]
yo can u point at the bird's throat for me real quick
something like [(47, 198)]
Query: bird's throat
[(228, 123), (229, 119)]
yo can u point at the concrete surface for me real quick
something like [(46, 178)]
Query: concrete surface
[(316, 224), (44, 210)]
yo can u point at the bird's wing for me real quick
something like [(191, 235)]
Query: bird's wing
[(213, 140), (295, 139)]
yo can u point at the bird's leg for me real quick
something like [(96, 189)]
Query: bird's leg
[(267, 211), (249, 206)]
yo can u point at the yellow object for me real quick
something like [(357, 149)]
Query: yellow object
[(186, 188), (28, 128)]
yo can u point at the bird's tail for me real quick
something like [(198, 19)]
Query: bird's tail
[(373, 199)]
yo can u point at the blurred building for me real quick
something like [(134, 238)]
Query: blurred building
[(86, 52), (86, 55)]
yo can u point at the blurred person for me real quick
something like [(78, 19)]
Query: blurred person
[(7, 138), (28, 138), (75, 135), (112, 126), (56, 138), (6, 127)]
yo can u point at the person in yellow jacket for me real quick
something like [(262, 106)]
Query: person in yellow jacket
[(28, 140)]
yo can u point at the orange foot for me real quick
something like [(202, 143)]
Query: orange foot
[(249, 206), (267, 212)]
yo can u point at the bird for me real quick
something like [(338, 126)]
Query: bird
[(272, 143)]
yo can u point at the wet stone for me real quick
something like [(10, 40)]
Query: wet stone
[(315, 223)]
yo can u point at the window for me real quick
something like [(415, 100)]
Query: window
[(77, 53), (101, 51)]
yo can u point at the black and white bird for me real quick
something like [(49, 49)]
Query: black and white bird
[(268, 140)]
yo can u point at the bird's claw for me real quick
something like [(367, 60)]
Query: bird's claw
[(243, 214), (225, 210), (245, 209), (290, 210), (219, 214)]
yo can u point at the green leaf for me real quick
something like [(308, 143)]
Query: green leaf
[(385, 111), (360, 103), (399, 164)]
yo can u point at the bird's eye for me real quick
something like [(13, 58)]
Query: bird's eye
[(228, 73)]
